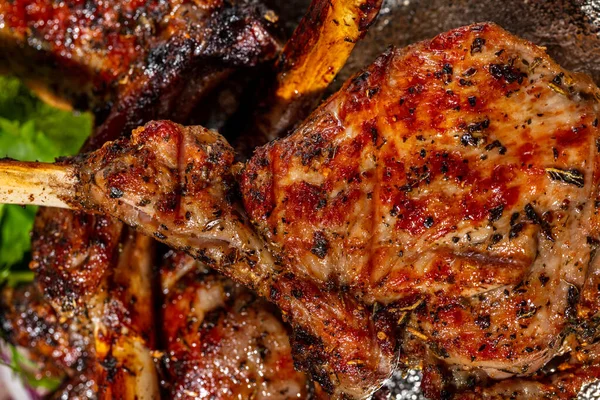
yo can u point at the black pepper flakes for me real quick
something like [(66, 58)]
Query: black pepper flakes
[(372, 92), (513, 218), (428, 223), (496, 237), (483, 321), (535, 218), (515, 230), (496, 213), (115, 193), (470, 72), (507, 72), (477, 45), (320, 245), (557, 80)]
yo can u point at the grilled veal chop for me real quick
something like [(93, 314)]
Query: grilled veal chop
[(222, 342), (451, 184), (132, 61)]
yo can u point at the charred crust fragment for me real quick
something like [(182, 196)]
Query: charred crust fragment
[(507, 72), (311, 356), (320, 245), (533, 216)]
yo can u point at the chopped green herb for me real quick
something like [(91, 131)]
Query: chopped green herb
[(571, 176), (30, 130)]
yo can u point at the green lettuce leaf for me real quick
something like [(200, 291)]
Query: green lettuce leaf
[(30, 130)]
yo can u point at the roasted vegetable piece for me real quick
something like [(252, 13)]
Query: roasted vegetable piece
[(309, 62)]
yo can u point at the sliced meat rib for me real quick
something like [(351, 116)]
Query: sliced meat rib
[(94, 270), (132, 61), (178, 185), (222, 341), (453, 183), (62, 346)]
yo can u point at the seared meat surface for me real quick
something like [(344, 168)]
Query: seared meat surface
[(450, 189), (222, 342), (62, 346), (72, 252), (94, 271), (132, 61), (458, 176), (128, 62), (178, 185)]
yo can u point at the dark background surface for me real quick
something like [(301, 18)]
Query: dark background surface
[(569, 29)]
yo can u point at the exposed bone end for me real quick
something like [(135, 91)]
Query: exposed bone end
[(33, 183)]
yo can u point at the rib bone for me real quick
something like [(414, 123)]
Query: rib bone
[(33, 183)]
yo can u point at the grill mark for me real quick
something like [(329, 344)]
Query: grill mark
[(275, 189), (376, 215), (180, 170)]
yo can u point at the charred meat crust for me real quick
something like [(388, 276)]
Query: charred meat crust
[(111, 53), (72, 253), (61, 345), (426, 178), (220, 338)]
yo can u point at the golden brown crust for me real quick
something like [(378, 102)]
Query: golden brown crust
[(177, 185), (63, 346), (431, 176), (310, 60), (132, 61), (221, 341)]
